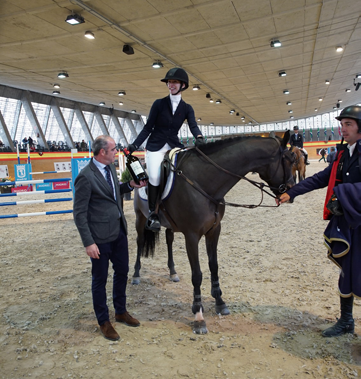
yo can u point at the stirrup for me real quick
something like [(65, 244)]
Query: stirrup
[(153, 222)]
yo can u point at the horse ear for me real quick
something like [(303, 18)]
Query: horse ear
[(285, 139)]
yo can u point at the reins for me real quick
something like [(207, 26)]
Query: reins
[(205, 194)]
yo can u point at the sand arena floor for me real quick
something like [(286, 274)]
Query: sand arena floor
[(274, 274)]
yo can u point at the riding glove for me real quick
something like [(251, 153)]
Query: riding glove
[(200, 141), (334, 206), (131, 148)]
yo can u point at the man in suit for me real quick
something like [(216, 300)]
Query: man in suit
[(297, 140), (99, 218)]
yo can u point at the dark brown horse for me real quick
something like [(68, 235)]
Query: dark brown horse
[(299, 165), (196, 205)]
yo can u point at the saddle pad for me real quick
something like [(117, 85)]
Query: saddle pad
[(173, 155)]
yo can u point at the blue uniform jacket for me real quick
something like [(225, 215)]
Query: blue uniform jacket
[(163, 126), (343, 233)]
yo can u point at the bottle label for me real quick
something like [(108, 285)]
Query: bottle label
[(137, 168)]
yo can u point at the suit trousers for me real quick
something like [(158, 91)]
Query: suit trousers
[(117, 253)]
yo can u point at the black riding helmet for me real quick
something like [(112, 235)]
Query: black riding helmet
[(177, 73), (354, 112), (295, 127)]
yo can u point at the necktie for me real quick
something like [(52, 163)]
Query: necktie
[(109, 179)]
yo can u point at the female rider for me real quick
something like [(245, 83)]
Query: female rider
[(166, 117)]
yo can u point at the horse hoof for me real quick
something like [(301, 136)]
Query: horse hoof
[(222, 310), (174, 278), (135, 280), (199, 327)]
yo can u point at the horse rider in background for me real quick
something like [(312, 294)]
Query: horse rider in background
[(297, 140), (343, 209), (166, 117)]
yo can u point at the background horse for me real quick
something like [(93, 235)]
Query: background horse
[(196, 205), (299, 164)]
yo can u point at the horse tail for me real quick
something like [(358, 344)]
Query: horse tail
[(150, 239)]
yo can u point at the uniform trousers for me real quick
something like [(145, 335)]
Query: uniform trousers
[(117, 253)]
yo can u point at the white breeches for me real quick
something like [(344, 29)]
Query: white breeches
[(304, 150), (153, 160)]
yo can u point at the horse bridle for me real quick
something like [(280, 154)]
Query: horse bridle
[(260, 185)]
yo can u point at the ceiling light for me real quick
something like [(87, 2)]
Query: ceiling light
[(88, 34), (347, 90), (134, 111), (208, 96), (212, 123), (243, 121), (56, 92), (242, 117), (231, 111), (291, 117), (218, 101), (290, 111), (316, 109), (102, 103), (63, 75), (121, 93), (276, 43), (196, 87), (286, 92), (288, 103), (127, 49), (327, 82), (121, 103), (56, 85), (339, 101), (282, 73), (157, 64), (199, 119), (211, 100), (74, 19), (358, 76), (320, 99), (334, 107), (339, 49)]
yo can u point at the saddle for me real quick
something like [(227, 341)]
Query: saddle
[(167, 176), (167, 165)]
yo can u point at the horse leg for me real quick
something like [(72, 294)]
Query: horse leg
[(169, 236), (211, 244), (199, 325), (139, 225)]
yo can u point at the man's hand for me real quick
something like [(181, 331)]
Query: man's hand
[(142, 183), (283, 198), (93, 251)]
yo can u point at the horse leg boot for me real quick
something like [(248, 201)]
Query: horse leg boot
[(153, 222), (345, 324)]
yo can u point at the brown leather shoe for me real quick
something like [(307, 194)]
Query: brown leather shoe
[(126, 319), (109, 332)]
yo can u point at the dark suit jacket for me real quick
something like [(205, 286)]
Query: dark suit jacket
[(97, 215), (296, 140), (163, 126)]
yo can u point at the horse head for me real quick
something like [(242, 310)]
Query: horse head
[(279, 172)]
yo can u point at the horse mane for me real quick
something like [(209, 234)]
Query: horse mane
[(211, 147)]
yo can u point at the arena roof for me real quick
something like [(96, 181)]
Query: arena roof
[(225, 46)]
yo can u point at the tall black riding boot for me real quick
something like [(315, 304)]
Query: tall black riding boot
[(306, 159), (153, 222), (345, 324)]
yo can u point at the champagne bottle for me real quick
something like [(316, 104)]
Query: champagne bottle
[(135, 167)]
